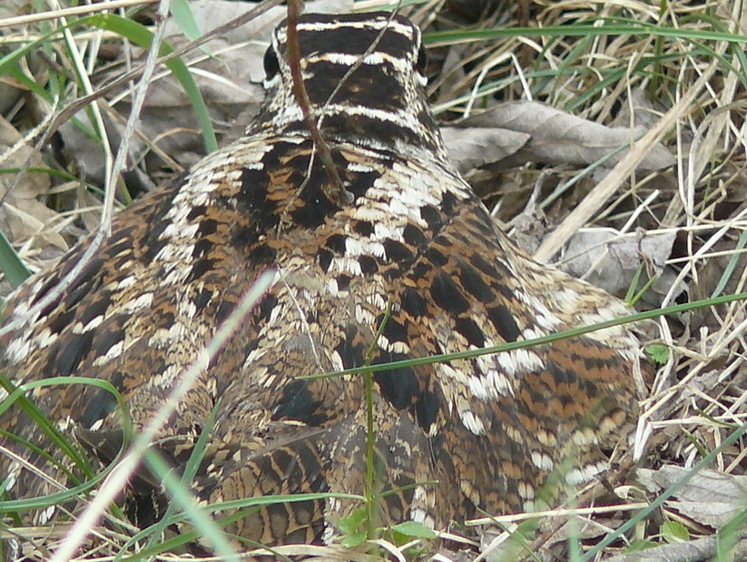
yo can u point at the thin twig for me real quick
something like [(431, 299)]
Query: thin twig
[(129, 463), (605, 188), (73, 11), (338, 194), (69, 111)]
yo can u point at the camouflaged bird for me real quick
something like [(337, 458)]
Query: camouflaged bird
[(405, 248)]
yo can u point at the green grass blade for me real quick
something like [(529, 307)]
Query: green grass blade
[(184, 16), (611, 27), (183, 498), (190, 471), (550, 338), (729, 269), (664, 496), (143, 37), (12, 265)]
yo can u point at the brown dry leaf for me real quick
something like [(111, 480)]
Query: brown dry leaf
[(86, 151), (636, 109), (22, 216), (691, 551), (497, 545), (473, 148), (558, 137), (610, 260), (11, 8), (10, 93), (710, 498), (530, 225), (726, 260), (230, 82)]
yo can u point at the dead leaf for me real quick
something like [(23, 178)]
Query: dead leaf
[(530, 225), (610, 260), (709, 498), (10, 93), (473, 148), (558, 137), (724, 270), (22, 216), (691, 551), (636, 109)]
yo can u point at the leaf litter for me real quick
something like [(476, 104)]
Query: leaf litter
[(679, 216)]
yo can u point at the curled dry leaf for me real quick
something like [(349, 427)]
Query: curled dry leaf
[(720, 274), (690, 551), (530, 227), (10, 92), (497, 545), (22, 216), (611, 260), (636, 109), (473, 148), (557, 137), (710, 498), (86, 151)]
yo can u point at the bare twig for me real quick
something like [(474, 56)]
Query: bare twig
[(605, 188), (339, 194), (73, 11), (121, 474)]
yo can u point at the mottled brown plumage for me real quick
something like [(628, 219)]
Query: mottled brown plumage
[(409, 235)]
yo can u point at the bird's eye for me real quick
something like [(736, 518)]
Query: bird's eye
[(272, 66), (422, 61)]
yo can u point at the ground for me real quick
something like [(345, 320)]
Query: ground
[(608, 138)]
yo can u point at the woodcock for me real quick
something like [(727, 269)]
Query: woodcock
[(396, 244)]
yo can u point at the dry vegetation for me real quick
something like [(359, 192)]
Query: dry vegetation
[(633, 174)]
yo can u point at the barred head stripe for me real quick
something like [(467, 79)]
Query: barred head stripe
[(346, 64), (331, 22), (375, 58), (328, 84)]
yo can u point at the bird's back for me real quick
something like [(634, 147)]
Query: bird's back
[(388, 257)]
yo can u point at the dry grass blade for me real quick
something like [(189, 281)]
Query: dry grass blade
[(72, 11), (122, 473), (676, 70), (601, 193)]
